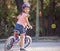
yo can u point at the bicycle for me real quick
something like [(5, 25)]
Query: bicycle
[(11, 41)]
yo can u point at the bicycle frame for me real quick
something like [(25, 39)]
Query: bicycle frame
[(28, 41)]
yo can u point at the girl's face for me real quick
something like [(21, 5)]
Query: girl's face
[(26, 10)]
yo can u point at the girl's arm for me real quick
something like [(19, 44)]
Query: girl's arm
[(28, 23), (18, 16)]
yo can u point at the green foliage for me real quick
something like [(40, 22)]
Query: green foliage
[(46, 2), (7, 14), (58, 11), (7, 17)]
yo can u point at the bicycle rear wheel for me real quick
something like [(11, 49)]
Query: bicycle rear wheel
[(9, 43)]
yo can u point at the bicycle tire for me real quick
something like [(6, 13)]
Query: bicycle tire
[(7, 43), (29, 39)]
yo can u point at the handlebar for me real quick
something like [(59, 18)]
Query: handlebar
[(27, 27)]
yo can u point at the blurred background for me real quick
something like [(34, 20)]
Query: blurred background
[(44, 17)]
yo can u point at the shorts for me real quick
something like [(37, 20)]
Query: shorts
[(19, 29)]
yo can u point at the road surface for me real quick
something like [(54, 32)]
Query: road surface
[(37, 46)]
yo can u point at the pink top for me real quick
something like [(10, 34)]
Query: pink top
[(22, 19)]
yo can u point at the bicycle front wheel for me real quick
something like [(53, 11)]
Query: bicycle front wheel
[(28, 41)]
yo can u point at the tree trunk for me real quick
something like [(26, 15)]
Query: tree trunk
[(19, 5)]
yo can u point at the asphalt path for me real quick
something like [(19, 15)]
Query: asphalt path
[(36, 46)]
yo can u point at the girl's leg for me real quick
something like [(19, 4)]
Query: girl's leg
[(22, 37), (16, 35)]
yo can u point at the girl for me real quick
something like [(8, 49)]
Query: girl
[(22, 23)]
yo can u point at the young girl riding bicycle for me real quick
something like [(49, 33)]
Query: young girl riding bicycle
[(22, 22)]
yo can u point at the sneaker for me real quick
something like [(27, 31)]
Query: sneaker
[(22, 49)]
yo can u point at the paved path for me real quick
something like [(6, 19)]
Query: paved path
[(37, 46)]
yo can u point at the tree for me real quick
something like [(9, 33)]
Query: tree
[(19, 5)]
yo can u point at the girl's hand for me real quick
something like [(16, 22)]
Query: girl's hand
[(30, 27)]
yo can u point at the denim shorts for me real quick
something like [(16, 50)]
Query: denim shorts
[(19, 29)]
